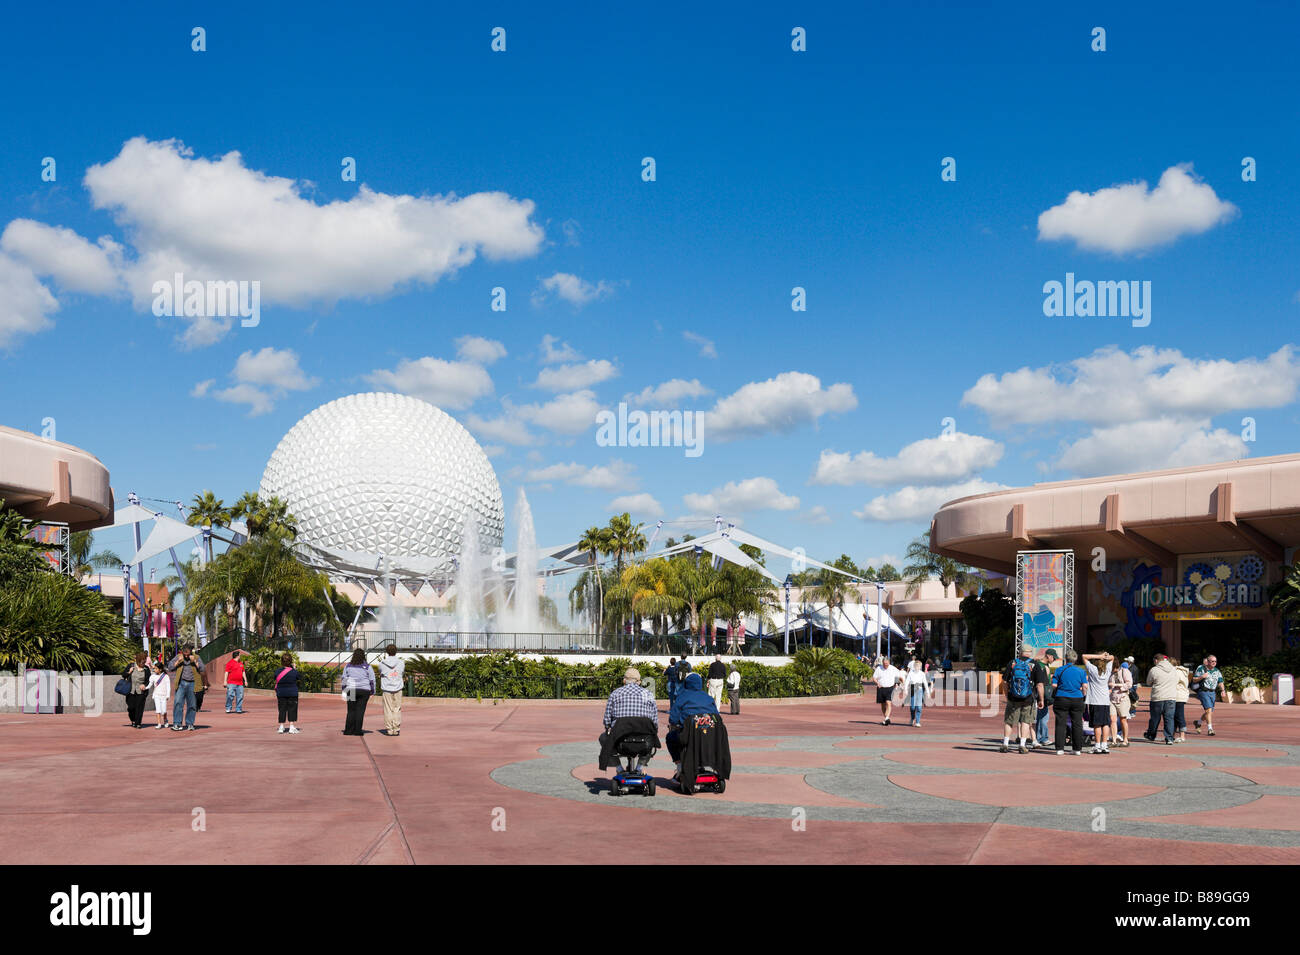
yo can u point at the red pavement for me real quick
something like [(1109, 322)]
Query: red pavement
[(85, 791)]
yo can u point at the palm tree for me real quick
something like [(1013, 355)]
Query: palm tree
[(210, 510), (924, 564), (624, 538), (83, 561), (594, 541), (649, 589), (1284, 596), (835, 591)]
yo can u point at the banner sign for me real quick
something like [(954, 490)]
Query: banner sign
[(1045, 601)]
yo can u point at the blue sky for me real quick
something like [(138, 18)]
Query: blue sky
[(774, 169)]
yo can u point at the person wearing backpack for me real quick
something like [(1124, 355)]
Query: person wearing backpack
[(1024, 681), (1069, 682)]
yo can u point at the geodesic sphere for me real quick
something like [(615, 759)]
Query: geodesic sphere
[(387, 474)]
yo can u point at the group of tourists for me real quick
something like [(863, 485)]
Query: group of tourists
[(181, 681), (720, 675), (916, 682), (1093, 695)]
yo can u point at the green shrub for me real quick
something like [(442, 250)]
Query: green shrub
[(506, 675), (49, 621)]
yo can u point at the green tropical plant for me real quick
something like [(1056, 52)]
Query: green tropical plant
[(924, 564), (50, 621)]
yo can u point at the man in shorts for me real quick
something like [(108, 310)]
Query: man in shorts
[(1024, 679), (1098, 699), (886, 676), (1207, 681)]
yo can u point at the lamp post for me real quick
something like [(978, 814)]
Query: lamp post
[(787, 614)]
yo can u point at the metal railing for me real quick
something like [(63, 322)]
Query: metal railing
[(564, 643)]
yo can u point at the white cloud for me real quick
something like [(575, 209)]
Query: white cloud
[(1150, 445), (575, 377), (554, 350), (669, 393), (816, 515), (914, 504), (778, 405), (482, 350), (572, 230), (566, 414), (202, 388), (1131, 217), (272, 368), (1112, 387), (447, 384), (615, 476), (506, 428), (706, 346), (576, 291), (940, 460), (218, 220), (751, 494), (25, 304), (71, 261), (640, 505), (261, 378)]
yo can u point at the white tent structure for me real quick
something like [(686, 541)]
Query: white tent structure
[(167, 533)]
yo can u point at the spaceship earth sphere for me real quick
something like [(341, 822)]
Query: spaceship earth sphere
[(389, 474)]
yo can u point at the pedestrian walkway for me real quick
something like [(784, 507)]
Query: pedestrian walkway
[(468, 782)]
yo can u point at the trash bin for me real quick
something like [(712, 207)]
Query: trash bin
[(1283, 688)]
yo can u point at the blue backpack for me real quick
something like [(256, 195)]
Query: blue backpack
[(1022, 680)]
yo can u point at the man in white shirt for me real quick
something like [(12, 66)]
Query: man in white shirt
[(392, 668), (1098, 699), (886, 676), (733, 689)]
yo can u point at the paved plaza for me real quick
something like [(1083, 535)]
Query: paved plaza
[(492, 783)]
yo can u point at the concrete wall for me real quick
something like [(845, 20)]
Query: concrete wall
[(77, 693)]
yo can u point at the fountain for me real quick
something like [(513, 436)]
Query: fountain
[(469, 584), (525, 611)]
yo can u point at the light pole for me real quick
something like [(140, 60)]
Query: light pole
[(787, 614)]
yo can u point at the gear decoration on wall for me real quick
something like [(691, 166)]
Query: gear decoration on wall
[(1250, 568), (1197, 573)]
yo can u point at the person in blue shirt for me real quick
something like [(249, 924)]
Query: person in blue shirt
[(1069, 684), (690, 700)]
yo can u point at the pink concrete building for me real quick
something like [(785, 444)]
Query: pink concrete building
[(1185, 555)]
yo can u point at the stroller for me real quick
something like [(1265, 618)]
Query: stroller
[(633, 742), (705, 754)]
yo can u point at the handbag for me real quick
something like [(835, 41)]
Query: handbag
[(122, 686)]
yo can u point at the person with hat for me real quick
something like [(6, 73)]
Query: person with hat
[(691, 701), (1024, 678)]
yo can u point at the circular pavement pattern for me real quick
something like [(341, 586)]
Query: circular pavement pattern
[(1204, 792)]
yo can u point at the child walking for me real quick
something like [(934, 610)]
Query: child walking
[(160, 685)]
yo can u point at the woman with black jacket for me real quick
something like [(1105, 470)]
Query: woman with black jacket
[(138, 695)]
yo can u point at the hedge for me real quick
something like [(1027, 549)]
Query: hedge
[(506, 675)]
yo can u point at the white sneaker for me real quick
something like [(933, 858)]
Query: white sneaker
[(281, 729), (293, 729)]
